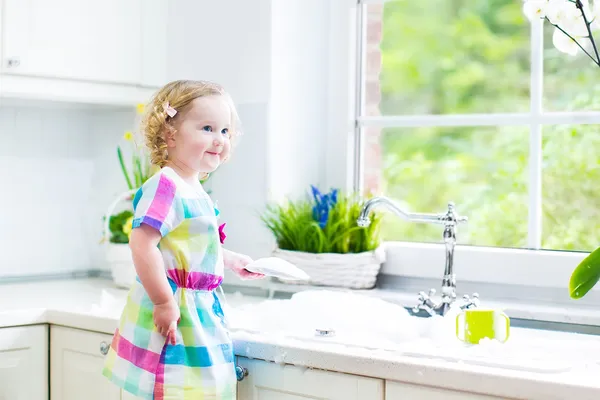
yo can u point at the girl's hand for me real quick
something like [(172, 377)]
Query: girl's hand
[(166, 317), (237, 263)]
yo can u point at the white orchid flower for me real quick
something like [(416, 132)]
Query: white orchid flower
[(566, 15), (564, 43), (535, 9)]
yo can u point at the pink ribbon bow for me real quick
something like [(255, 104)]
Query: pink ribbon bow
[(171, 112)]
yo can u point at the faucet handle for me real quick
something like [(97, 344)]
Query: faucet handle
[(470, 302), (425, 302), (425, 297), (452, 216)]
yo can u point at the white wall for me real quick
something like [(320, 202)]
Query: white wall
[(298, 97), (240, 187), (226, 41), (59, 171)]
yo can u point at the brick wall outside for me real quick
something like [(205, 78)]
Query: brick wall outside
[(373, 167)]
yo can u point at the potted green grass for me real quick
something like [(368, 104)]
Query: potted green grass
[(320, 235)]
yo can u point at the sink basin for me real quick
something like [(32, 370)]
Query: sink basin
[(352, 319), (361, 321)]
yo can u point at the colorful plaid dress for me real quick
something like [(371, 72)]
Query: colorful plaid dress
[(201, 364)]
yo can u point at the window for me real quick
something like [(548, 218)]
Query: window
[(468, 101)]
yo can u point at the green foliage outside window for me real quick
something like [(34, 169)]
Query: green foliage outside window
[(473, 56)]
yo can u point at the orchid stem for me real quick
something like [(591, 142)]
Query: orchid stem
[(587, 25)]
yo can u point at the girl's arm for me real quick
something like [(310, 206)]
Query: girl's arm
[(149, 263), (149, 266)]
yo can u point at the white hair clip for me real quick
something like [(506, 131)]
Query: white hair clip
[(171, 112)]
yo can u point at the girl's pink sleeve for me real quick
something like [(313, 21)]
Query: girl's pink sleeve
[(157, 204)]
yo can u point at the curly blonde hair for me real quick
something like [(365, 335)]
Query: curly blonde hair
[(157, 124)]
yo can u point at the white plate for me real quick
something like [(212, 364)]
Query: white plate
[(277, 267)]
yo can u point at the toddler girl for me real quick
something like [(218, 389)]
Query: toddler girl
[(172, 342)]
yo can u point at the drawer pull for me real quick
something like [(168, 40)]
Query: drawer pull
[(104, 348), (240, 373), (13, 62)]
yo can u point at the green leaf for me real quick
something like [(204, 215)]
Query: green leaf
[(123, 168), (585, 276), (115, 225), (139, 176)]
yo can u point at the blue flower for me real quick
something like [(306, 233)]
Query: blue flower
[(323, 204)]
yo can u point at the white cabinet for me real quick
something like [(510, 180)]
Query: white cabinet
[(74, 39), (24, 363), (76, 361), (82, 50), (128, 396), (407, 391), (270, 381)]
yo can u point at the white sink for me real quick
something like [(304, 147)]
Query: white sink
[(371, 323)]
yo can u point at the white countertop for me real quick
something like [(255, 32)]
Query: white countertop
[(76, 303)]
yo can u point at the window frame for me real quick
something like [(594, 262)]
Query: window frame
[(345, 160)]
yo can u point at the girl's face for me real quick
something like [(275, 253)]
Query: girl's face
[(202, 139)]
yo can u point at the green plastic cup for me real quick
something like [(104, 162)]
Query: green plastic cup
[(475, 324)]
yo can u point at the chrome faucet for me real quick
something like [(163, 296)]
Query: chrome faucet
[(450, 219)]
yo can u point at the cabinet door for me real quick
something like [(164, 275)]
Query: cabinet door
[(24, 363), (76, 361), (128, 396), (407, 391), (97, 41), (270, 381)]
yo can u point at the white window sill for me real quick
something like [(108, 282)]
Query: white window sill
[(539, 268)]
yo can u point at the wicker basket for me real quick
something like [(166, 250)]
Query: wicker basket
[(350, 270)]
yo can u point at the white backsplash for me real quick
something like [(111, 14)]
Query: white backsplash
[(59, 169), (59, 172)]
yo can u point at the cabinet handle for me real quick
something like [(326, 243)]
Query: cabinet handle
[(104, 348), (240, 373), (13, 62)]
